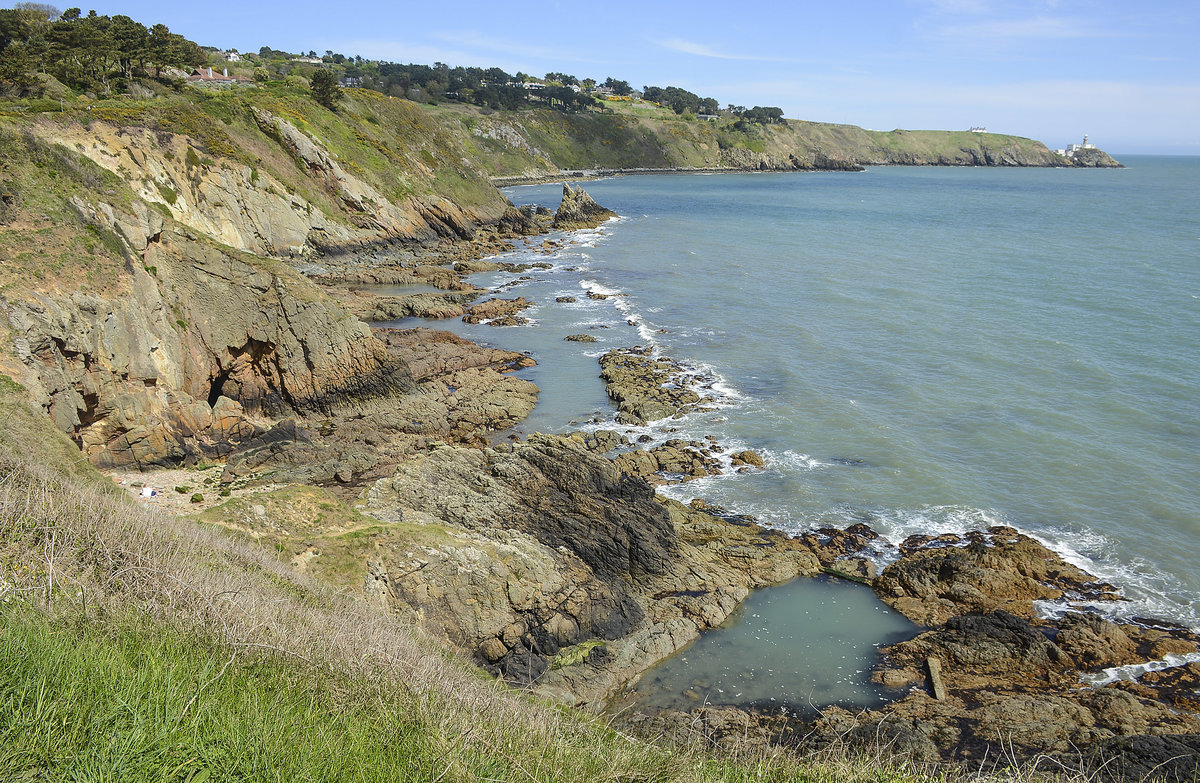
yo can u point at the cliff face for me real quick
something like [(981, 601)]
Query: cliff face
[(202, 352), (535, 144), (249, 208), (195, 336)]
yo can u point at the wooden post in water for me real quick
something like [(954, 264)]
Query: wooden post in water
[(935, 678)]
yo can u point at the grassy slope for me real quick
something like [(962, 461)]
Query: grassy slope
[(392, 144), (44, 243)]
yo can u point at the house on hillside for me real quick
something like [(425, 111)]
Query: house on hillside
[(231, 56), (206, 77)]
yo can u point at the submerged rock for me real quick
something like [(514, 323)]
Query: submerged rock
[(497, 312)]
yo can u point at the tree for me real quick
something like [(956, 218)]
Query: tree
[(618, 86), (325, 90)]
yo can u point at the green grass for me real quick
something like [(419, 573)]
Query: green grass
[(130, 701)]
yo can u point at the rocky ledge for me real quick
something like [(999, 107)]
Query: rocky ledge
[(560, 570), (647, 387), (994, 680)]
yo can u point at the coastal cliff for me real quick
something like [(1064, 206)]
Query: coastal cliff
[(538, 145)]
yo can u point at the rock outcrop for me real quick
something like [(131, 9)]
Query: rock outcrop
[(1092, 158), (579, 210), (648, 387), (565, 572), (1012, 679), (207, 348), (1001, 569)]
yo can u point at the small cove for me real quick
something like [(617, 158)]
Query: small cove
[(795, 648)]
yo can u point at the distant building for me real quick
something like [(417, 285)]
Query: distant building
[(314, 60), (350, 81), (232, 56), (708, 117), (979, 129), (1073, 148)]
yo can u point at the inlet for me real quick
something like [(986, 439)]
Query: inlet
[(795, 648)]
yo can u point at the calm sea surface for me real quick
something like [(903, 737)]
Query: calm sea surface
[(923, 349)]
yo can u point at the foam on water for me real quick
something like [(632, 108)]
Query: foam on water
[(1133, 671)]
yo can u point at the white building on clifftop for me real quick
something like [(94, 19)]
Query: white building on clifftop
[(1073, 148)]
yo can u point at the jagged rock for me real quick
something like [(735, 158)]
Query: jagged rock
[(1000, 570), (1094, 159), (579, 210), (1172, 758), (748, 458), (600, 441), (673, 462), (553, 545), (984, 646), (497, 312), (1095, 643), (580, 338)]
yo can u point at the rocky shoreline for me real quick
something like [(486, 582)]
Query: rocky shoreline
[(552, 562), (567, 573)]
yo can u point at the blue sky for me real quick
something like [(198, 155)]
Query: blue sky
[(1126, 73)]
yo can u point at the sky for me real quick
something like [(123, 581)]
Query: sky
[(1127, 74)]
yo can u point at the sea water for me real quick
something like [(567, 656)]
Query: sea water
[(922, 349), (791, 649)]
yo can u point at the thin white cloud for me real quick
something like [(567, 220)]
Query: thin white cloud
[(1038, 27), (703, 50), (959, 6), (476, 41)]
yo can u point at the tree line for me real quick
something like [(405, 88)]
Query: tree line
[(100, 53), (85, 52), (683, 101)]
